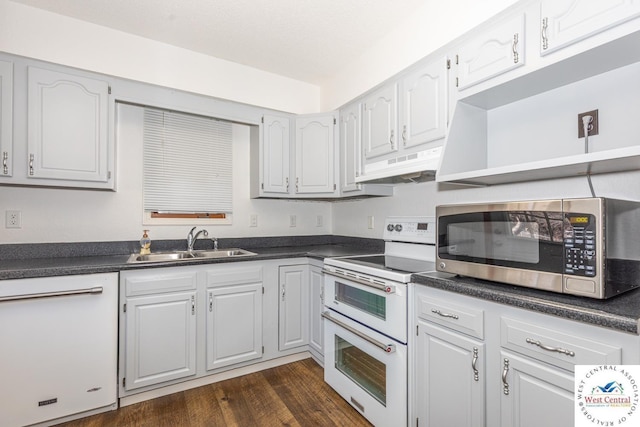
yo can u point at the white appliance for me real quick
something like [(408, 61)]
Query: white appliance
[(58, 347), (366, 319)]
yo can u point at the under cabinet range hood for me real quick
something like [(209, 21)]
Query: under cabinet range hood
[(415, 167)]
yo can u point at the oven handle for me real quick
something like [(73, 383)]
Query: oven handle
[(387, 348), (389, 289)]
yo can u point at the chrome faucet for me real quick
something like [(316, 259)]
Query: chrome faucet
[(191, 238)]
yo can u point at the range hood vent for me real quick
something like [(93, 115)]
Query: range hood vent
[(415, 167)]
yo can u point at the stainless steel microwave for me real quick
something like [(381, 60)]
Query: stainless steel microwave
[(588, 247)]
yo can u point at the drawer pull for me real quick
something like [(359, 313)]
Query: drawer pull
[(450, 316), (555, 349), (505, 371), (476, 377)]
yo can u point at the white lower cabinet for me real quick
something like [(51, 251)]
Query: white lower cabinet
[(293, 326), (161, 338), (234, 324), (480, 363), (316, 304)]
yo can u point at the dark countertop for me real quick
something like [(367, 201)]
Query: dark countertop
[(63, 266), (621, 313)]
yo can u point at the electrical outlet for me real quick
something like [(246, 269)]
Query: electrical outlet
[(319, 221), (13, 219), (253, 220), (292, 220), (593, 126)]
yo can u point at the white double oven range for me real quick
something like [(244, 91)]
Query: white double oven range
[(366, 318)]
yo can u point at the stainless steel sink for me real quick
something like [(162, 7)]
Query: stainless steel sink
[(189, 255)]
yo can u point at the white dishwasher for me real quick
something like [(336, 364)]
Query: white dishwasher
[(58, 347)]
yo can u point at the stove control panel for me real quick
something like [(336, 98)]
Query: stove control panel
[(416, 229)]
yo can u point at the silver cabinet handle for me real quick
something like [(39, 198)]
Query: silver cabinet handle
[(94, 290), (283, 292), (287, 181), (297, 183), (515, 48), (31, 160), (385, 288), (210, 303), (5, 163), (545, 39), (391, 139), (450, 316), (505, 371), (554, 349), (193, 305), (387, 348), (474, 361), (404, 135)]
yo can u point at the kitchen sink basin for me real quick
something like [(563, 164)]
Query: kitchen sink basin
[(189, 255)]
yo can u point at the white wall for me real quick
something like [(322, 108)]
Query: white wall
[(69, 215), (40, 34), (350, 218)]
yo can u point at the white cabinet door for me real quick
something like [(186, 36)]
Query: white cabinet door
[(68, 130), (274, 158), (234, 324), (160, 338), (451, 375), (495, 52), (315, 154), (567, 21), (316, 287), (293, 324), (6, 118), (423, 109), (535, 394), (380, 121), (350, 147)]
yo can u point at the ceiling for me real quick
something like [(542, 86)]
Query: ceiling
[(307, 40)]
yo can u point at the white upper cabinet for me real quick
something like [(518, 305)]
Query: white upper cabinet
[(564, 22), (380, 121), (68, 128), (315, 155), (6, 118), (350, 144), (274, 155), (423, 108), (491, 53)]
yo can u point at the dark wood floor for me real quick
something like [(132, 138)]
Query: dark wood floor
[(288, 395)]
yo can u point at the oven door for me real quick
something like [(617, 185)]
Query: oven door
[(381, 305), (367, 369)]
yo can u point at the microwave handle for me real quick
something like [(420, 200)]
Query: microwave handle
[(389, 289), (387, 348)]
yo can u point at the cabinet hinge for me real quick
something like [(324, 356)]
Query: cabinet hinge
[(262, 119), (109, 175), (335, 121), (457, 60), (448, 64), (417, 422), (124, 307), (262, 186), (334, 187), (109, 90), (263, 290), (124, 382), (456, 82), (417, 333), (262, 349)]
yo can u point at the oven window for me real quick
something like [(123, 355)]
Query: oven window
[(362, 300), (369, 373)]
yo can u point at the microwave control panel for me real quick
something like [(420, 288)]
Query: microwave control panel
[(580, 245)]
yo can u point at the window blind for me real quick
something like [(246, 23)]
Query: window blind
[(187, 163)]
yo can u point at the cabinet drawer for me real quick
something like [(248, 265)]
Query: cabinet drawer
[(461, 318), (160, 281), (559, 348), (233, 275)]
